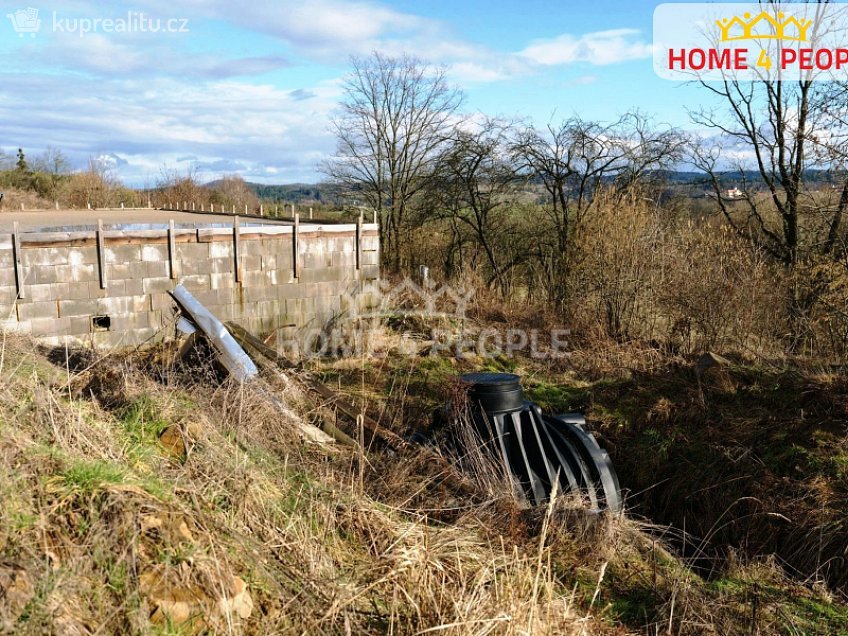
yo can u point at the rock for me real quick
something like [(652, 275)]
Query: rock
[(16, 591), (177, 606), (188, 607), (239, 603), (713, 374), (172, 528), (710, 360), (174, 442)]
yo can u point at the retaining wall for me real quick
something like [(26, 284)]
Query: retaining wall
[(109, 288)]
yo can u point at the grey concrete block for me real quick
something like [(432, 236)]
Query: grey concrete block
[(255, 279), (191, 268), (160, 301), (222, 281), (283, 276), (251, 262), (79, 325), (130, 322), (81, 273), (40, 293), (8, 295), (41, 256), (289, 290), (221, 265), (196, 282), (7, 275), (371, 272), (153, 285), (220, 249), (78, 291), (82, 255), (154, 253), (318, 261), (226, 312), (158, 269), (370, 258), (344, 260), (29, 310), (134, 286), (115, 288), (16, 326), (50, 326), (114, 307), (260, 293), (122, 253), (194, 251), (60, 291), (127, 271), (96, 291)]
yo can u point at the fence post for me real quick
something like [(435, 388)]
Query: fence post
[(295, 250), (172, 249), (359, 243), (101, 254), (19, 270), (236, 249)]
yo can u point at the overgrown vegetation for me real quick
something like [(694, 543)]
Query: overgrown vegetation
[(141, 498)]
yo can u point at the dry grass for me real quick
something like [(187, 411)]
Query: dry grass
[(110, 530), (245, 528)]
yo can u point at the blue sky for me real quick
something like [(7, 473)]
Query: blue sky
[(247, 88)]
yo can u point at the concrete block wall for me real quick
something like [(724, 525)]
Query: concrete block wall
[(61, 296)]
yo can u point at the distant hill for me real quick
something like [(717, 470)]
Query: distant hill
[(292, 192)]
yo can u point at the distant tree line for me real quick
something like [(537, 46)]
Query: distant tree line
[(519, 205)]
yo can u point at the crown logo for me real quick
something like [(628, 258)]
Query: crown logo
[(764, 27)]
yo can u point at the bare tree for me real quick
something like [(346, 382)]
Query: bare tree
[(475, 188), (55, 167), (395, 116), (232, 190), (573, 161), (781, 127)]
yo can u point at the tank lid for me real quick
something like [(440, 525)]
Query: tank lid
[(487, 378), (494, 392)]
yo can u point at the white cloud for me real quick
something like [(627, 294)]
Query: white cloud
[(598, 48), (150, 122)]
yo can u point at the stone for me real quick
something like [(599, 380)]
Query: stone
[(713, 374), (16, 591)]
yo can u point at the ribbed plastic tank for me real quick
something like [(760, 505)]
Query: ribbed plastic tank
[(541, 450)]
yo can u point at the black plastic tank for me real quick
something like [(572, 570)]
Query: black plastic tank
[(540, 449)]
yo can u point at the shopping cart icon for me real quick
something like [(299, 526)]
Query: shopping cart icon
[(25, 21)]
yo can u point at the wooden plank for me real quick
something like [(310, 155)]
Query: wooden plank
[(101, 255), (16, 254)]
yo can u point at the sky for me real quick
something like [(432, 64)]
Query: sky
[(247, 88)]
